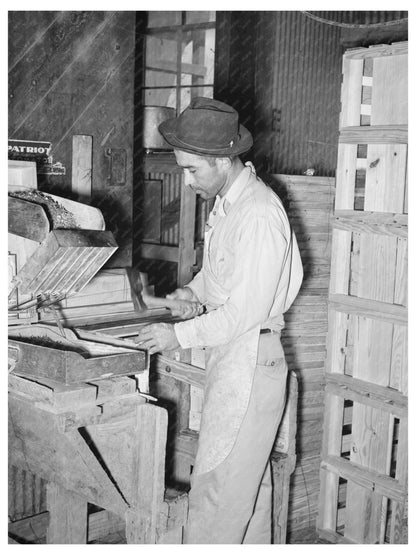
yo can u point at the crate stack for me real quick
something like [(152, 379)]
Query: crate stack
[(363, 495), (308, 201)]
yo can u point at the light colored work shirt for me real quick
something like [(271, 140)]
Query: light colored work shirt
[(252, 269)]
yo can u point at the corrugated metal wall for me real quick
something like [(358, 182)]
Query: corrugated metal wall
[(306, 94)]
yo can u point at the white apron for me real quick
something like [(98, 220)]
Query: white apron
[(228, 382)]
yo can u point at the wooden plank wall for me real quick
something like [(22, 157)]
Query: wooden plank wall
[(72, 73), (309, 204)]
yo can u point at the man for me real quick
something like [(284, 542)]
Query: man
[(251, 274)]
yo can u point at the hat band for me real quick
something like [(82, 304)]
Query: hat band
[(230, 144)]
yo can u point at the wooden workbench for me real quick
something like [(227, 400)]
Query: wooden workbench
[(100, 443)]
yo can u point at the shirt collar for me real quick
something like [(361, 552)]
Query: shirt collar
[(222, 204)]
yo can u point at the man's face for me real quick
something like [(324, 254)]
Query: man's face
[(202, 178)]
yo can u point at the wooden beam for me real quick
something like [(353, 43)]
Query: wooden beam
[(333, 537), (374, 481), (186, 257), (377, 310), (378, 134), (378, 50), (67, 516), (385, 398), (149, 474), (181, 371), (82, 166), (381, 223), (171, 67), (159, 252)]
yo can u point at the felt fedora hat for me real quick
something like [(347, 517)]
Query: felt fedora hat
[(207, 127)]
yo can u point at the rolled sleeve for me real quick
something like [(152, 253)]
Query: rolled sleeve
[(197, 286)]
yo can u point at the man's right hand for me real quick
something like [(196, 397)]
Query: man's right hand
[(187, 310), (183, 294)]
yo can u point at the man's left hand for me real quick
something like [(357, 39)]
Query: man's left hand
[(158, 337)]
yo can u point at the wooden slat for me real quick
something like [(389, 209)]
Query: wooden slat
[(385, 398), (379, 50), (331, 445), (186, 257), (333, 537), (382, 223), (351, 92), (67, 516), (180, 371), (386, 165), (82, 166), (376, 482), (398, 523), (390, 90), (368, 308), (149, 469), (340, 261), (346, 174), (379, 134)]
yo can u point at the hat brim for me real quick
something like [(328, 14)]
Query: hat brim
[(242, 144)]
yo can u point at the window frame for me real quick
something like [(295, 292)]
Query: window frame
[(179, 30)]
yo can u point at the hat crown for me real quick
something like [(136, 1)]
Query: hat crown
[(206, 122), (207, 126)]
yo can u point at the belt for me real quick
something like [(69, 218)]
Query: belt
[(266, 330)]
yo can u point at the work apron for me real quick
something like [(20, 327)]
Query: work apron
[(228, 382), (229, 378)]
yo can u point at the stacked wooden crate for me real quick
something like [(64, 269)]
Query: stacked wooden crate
[(309, 204), (363, 496)]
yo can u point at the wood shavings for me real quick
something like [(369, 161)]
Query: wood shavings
[(59, 216)]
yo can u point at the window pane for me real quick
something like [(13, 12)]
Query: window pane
[(159, 79), (187, 94), (159, 97), (198, 53), (200, 17), (161, 62), (163, 19)]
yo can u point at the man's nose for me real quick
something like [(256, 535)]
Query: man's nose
[(187, 177)]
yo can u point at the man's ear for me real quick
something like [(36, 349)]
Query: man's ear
[(224, 163)]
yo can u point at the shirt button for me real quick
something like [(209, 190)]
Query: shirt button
[(215, 212)]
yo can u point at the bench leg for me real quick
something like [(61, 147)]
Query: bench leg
[(67, 516)]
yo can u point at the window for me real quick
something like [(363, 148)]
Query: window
[(180, 53)]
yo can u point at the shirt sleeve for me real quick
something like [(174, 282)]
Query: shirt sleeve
[(260, 253), (197, 285)]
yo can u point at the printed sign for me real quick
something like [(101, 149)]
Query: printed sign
[(29, 150)]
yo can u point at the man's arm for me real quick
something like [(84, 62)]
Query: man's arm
[(261, 252)]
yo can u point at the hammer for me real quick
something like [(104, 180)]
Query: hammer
[(178, 307)]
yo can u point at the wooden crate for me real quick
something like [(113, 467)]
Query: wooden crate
[(363, 494)]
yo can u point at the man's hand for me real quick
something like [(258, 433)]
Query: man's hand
[(188, 309), (158, 337)]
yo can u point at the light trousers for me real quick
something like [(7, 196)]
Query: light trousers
[(232, 504)]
